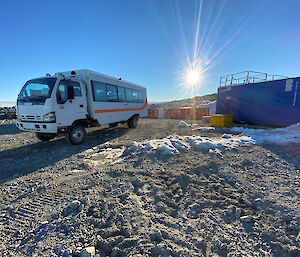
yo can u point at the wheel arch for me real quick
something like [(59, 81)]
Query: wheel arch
[(83, 122), (134, 115)]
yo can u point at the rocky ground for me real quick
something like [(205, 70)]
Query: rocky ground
[(62, 200)]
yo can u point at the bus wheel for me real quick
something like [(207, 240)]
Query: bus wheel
[(76, 134), (112, 125), (44, 137), (133, 121)]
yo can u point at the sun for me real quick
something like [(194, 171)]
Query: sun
[(193, 76)]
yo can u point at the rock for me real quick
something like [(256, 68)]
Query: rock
[(230, 179), (128, 243), (67, 253), (298, 237), (103, 245), (246, 218), (156, 236), (238, 212), (88, 252), (123, 197), (160, 250), (117, 252), (247, 163), (137, 183), (190, 229), (194, 211), (74, 207)]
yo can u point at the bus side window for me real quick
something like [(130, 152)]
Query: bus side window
[(128, 93), (121, 94), (62, 92), (76, 86), (141, 96), (99, 91), (111, 92), (135, 96)]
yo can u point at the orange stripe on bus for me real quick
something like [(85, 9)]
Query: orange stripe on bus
[(121, 109)]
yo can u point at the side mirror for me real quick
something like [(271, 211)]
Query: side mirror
[(71, 92)]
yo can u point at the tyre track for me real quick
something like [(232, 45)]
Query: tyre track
[(20, 220)]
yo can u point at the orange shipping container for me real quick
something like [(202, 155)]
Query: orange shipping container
[(185, 113), (168, 113), (153, 113)]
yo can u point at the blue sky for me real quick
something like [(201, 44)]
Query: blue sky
[(150, 42)]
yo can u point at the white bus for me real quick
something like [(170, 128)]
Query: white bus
[(71, 101)]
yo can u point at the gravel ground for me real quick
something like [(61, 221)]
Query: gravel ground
[(64, 200)]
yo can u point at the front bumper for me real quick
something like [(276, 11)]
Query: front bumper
[(41, 127)]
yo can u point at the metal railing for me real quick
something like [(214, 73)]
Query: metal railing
[(248, 77)]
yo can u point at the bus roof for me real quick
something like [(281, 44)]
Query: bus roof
[(87, 72)]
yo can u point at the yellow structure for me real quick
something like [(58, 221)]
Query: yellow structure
[(221, 120)]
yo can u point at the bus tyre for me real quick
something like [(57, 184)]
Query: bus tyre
[(76, 134), (133, 121), (44, 137), (113, 125)]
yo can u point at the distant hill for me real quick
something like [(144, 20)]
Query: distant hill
[(188, 102), (7, 104)]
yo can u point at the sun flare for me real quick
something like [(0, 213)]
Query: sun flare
[(193, 76)]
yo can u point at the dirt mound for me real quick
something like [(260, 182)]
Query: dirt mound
[(62, 200)]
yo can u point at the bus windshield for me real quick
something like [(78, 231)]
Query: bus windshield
[(37, 90)]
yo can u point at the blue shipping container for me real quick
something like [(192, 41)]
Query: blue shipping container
[(274, 103)]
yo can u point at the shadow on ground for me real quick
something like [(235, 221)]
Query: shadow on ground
[(9, 129), (26, 159), (290, 153)]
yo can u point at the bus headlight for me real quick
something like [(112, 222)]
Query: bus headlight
[(49, 117)]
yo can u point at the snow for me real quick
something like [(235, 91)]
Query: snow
[(172, 145), (132, 148), (202, 143), (236, 141), (166, 150), (183, 124), (290, 134), (229, 142), (178, 144), (204, 128), (226, 136), (163, 147)]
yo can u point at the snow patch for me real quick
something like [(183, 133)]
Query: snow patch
[(183, 124), (204, 128), (178, 144), (134, 147), (290, 134), (202, 143), (173, 145), (163, 147), (166, 150)]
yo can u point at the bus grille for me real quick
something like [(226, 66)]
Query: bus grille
[(30, 118)]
